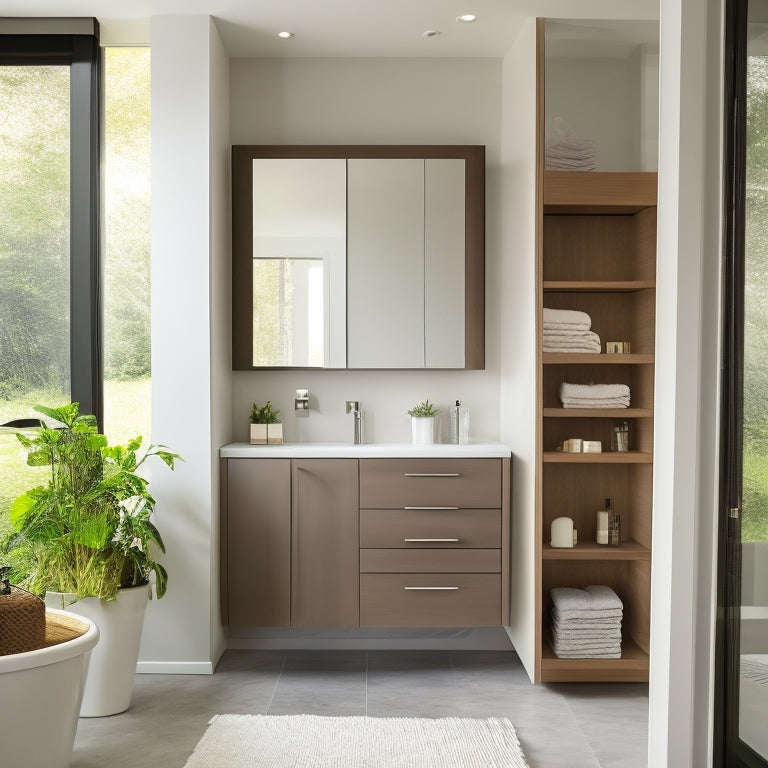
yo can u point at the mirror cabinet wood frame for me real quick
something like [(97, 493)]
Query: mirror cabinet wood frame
[(242, 234)]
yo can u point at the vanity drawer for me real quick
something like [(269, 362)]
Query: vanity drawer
[(430, 600), (430, 560), (400, 483), (430, 528)]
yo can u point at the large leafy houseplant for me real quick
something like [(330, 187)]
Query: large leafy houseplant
[(88, 531)]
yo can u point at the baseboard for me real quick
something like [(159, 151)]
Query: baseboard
[(475, 639), (175, 668)]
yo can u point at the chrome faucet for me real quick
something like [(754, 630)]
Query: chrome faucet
[(353, 407)]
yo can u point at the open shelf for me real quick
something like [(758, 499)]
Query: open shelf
[(631, 667), (594, 192), (628, 550), (597, 286), (597, 413), (570, 358), (606, 457)]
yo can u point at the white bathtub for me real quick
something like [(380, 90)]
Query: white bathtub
[(41, 693)]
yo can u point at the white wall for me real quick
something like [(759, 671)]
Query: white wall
[(375, 101), (578, 90), (190, 394), (687, 376), (517, 326)]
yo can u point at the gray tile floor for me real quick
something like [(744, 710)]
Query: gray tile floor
[(559, 726)]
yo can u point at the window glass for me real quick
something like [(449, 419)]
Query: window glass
[(127, 365), (34, 254)]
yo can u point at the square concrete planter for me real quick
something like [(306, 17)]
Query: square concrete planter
[(274, 433), (258, 434)]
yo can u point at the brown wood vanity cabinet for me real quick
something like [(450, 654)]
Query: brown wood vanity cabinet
[(289, 546), (369, 542), (434, 542)]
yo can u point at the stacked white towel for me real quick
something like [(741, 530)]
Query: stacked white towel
[(568, 330), (594, 395), (565, 152), (586, 623)]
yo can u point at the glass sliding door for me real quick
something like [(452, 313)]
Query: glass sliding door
[(742, 698)]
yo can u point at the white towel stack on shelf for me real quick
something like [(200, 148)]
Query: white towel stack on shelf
[(594, 395), (568, 330), (586, 623), (564, 152)]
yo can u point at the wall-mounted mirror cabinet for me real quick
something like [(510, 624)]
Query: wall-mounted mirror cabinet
[(358, 257)]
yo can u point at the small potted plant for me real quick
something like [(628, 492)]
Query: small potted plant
[(265, 428), (423, 423)]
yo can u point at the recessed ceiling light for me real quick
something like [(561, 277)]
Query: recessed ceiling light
[(431, 33), (467, 18), (286, 35)]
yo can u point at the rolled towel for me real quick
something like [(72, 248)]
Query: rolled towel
[(593, 391), (570, 318), (596, 597)]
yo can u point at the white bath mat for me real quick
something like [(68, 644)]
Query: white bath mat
[(311, 741), (754, 667)]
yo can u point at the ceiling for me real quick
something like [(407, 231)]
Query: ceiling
[(339, 28)]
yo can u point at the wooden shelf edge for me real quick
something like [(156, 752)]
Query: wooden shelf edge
[(602, 358), (629, 550), (596, 413), (631, 667), (597, 286), (607, 457), (599, 192)]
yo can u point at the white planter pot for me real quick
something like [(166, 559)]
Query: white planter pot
[(258, 434), (41, 693), (113, 662), (423, 430)]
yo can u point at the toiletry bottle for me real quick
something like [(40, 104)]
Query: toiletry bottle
[(463, 424), (455, 411), (604, 522)]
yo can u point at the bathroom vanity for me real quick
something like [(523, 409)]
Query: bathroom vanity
[(350, 536)]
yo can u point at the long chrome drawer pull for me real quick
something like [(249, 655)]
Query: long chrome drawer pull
[(430, 507), (432, 474), (430, 540), (433, 588)]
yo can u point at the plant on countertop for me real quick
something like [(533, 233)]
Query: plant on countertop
[(88, 530), (423, 410), (264, 415)]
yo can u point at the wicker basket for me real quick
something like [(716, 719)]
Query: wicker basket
[(22, 622)]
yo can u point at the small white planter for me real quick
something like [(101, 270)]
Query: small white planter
[(258, 434), (113, 662), (275, 433), (423, 430), (41, 693)]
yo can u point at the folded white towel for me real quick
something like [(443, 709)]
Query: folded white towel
[(572, 318), (587, 655), (596, 623), (586, 635), (563, 336), (596, 597), (571, 350), (619, 403), (593, 391)]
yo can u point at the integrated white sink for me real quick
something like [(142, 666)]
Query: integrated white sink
[(371, 450)]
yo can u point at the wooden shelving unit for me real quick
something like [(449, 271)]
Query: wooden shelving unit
[(597, 253)]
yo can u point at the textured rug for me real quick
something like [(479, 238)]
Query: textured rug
[(754, 667), (310, 741)]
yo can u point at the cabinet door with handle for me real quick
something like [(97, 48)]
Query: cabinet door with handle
[(325, 543), (259, 542)]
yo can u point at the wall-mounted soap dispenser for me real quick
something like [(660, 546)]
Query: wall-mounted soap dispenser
[(301, 403)]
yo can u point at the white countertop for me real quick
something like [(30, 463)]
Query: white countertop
[(365, 451)]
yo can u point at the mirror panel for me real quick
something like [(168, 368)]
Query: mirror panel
[(385, 263), (387, 240), (299, 262)]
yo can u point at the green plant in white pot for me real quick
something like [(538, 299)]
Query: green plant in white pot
[(423, 423), (88, 533)]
